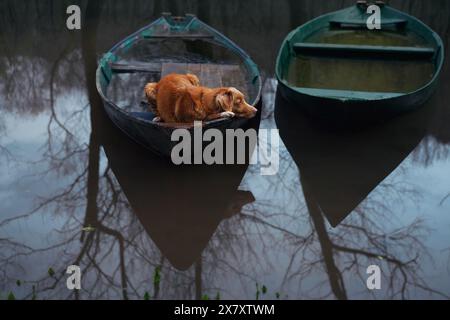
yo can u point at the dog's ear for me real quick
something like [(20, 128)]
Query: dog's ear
[(194, 94), (189, 106), (224, 99), (193, 79)]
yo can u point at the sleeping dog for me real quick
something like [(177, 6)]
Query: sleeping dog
[(180, 98)]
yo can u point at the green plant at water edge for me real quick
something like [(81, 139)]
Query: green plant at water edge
[(146, 296), (157, 276), (33, 296), (51, 272), (205, 297), (218, 296), (259, 291), (11, 296), (264, 289)]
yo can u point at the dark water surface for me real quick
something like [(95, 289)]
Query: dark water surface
[(74, 190)]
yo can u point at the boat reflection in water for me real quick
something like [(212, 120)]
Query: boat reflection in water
[(340, 167), (179, 207)]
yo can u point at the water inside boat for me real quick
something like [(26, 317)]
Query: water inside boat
[(361, 74)]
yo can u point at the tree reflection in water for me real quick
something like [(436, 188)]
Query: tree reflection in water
[(282, 237)]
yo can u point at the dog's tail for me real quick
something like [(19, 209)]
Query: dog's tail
[(150, 91)]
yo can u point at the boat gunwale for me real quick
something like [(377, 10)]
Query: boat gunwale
[(219, 37), (438, 59)]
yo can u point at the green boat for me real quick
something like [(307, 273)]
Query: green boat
[(172, 44), (336, 68)]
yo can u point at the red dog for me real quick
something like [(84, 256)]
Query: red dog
[(180, 98)]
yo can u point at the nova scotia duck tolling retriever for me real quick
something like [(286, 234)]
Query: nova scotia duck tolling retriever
[(180, 98)]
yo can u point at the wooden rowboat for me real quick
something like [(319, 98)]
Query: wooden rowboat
[(171, 44), (336, 69)]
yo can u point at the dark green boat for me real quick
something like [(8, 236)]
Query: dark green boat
[(171, 44), (336, 68)]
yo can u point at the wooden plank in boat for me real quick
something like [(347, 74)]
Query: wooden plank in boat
[(179, 36), (362, 23), (136, 67), (210, 75), (234, 77), (194, 68), (168, 68), (347, 50)]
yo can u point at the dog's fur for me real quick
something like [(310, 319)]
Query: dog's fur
[(180, 98)]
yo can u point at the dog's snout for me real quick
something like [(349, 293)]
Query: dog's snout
[(252, 109)]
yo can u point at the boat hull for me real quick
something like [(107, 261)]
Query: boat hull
[(209, 54), (158, 138), (338, 112), (332, 101)]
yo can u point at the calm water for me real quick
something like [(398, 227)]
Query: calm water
[(74, 190)]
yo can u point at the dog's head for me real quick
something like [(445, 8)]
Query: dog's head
[(231, 99)]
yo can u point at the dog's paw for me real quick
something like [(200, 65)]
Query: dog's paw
[(227, 114), (157, 119)]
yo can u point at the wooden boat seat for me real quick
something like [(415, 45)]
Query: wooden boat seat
[(365, 51), (347, 95), (136, 67), (191, 36), (362, 23)]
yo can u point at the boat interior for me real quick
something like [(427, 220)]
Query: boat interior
[(168, 48), (376, 63)]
